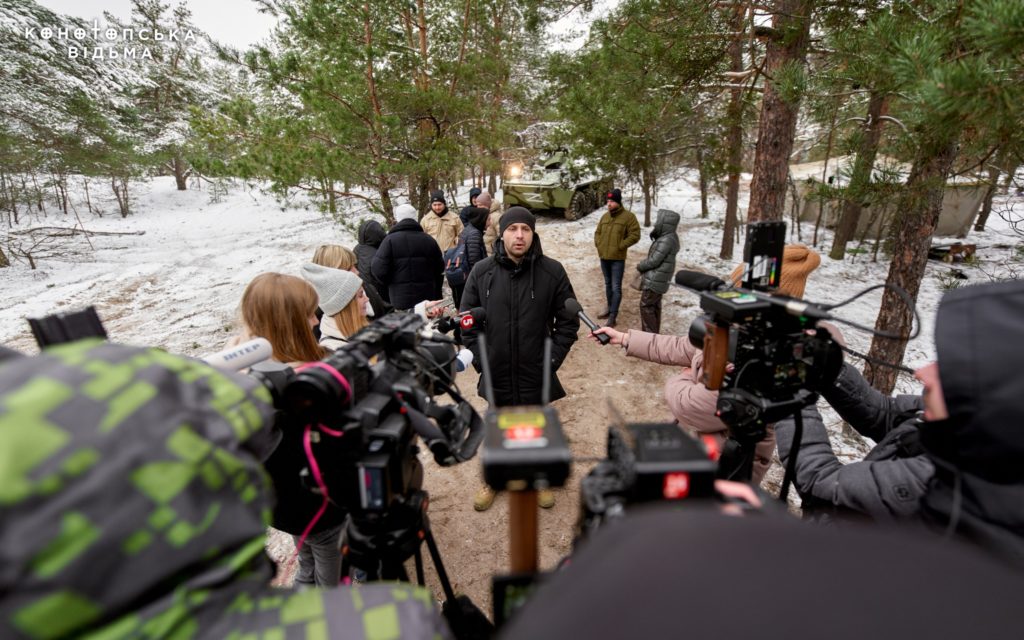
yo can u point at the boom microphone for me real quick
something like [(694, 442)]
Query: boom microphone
[(574, 307), (241, 356), (698, 281)]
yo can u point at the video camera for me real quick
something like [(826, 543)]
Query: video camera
[(780, 357), (376, 390)]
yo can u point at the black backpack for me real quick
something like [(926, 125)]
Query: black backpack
[(456, 264)]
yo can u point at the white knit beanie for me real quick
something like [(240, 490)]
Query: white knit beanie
[(334, 287), (405, 212)]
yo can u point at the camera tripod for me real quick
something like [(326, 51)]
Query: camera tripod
[(381, 547)]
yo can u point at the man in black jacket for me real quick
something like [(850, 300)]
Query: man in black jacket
[(409, 263), (523, 293), (959, 466)]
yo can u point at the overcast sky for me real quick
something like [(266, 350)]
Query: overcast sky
[(233, 22)]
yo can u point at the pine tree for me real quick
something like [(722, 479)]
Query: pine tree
[(961, 68)]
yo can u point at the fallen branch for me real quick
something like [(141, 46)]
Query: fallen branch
[(70, 231)]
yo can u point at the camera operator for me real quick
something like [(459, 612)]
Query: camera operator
[(691, 403), (133, 504), (959, 466)]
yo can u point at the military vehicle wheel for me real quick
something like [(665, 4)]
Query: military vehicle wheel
[(580, 205)]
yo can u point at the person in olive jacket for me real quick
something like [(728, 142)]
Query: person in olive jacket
[(658, 269), (617, 231), (523, 294)]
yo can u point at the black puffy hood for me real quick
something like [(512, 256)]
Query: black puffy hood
[(371, 232), (979, 340)]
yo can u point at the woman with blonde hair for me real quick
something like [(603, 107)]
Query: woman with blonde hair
[(342, 299), (282, 308), (336, 256)]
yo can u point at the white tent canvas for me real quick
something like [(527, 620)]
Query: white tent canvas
[(960, 203)]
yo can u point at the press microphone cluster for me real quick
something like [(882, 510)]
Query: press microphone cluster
[(574, 307), (703, 282)]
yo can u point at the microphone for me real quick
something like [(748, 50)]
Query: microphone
[(574, 307), (698, 281), (475, 318), (241, 356)]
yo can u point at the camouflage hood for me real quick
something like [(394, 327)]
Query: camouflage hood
[(133, 503)]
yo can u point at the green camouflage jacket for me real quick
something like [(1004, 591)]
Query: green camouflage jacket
[(133, 505)]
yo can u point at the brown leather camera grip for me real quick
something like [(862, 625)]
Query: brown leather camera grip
[(716, 354)]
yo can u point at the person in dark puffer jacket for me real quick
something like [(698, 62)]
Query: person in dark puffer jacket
[(466, 210), (959, 465), (409, 262), (473, 237), (658, 269), (370, 235)]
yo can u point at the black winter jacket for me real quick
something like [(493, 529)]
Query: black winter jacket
[(967, 471), (524, 303), (660, 265), (890, 481), (978, 487), (296, 505), (410, 265), (371, 234)]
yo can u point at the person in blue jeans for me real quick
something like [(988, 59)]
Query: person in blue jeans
[(617, 231)]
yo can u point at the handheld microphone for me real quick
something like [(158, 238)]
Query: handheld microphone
[(574, 307), (241, 356), (475, 318), (698, 281)]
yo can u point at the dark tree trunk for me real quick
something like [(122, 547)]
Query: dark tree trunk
[(777, 124), (917, 213), (702, 172), (648, 186), (986, 205), (387, 205), (180, 173), (734, 138), (860, 180)]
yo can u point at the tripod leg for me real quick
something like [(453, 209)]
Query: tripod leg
[(435, 556), (419, 566)]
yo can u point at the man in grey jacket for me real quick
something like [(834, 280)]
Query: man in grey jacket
[(953, 457)]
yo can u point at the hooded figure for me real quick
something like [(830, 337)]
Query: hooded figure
[(133, 504), (371, 234), (658, 268), (959, 468), (464, 213)]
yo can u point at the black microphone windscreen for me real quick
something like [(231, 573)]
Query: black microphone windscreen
[(699, 281), (572, 306)]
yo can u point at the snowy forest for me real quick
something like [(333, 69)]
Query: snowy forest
[(362, 105)]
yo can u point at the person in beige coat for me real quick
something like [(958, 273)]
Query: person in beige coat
[(440, 224), (491, 232), (692, 404)]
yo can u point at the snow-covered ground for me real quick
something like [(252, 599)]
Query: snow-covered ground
[(178, 285)]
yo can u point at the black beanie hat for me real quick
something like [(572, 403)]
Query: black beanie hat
[(514, 215), (474, 192), (437, 196), (616, 195)]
